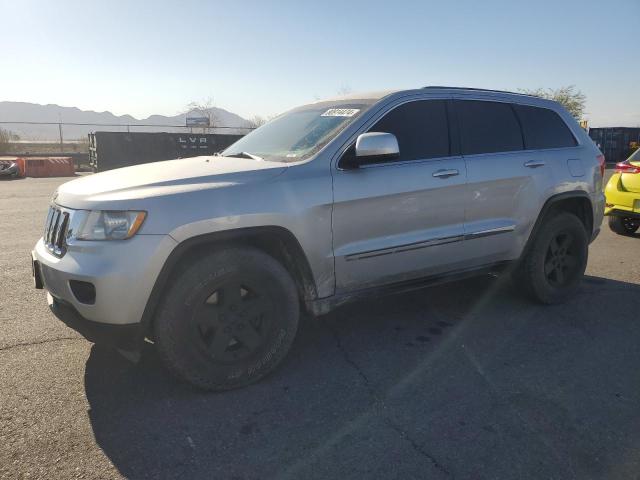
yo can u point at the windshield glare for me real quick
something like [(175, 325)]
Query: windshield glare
[(298, 134)]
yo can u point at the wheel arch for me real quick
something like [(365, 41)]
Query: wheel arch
[(276, 241), (577, 202)]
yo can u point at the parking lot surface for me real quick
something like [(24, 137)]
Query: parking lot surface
[(464, 380)]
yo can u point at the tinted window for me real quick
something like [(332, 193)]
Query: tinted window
[(543, 128), (488, 127), (420, 127)]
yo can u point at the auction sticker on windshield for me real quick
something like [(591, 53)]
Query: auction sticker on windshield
[(340, 112)]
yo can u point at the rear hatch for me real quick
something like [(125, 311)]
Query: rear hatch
[(630, 174)]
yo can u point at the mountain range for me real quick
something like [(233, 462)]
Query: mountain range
[(33, 112)]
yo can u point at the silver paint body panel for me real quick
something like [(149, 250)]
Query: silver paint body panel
[(371, 226)]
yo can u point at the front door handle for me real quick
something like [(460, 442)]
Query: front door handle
[(446, 173), (534, 163)]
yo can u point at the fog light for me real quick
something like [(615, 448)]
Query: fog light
[(84, 292)]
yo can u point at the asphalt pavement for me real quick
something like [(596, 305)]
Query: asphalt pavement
[(466, 380)]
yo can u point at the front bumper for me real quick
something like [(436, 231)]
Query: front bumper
[(123, 274), (125, 337)]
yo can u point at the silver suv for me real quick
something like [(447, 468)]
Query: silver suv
[(213, 258)]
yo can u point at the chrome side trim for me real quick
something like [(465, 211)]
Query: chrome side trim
[(487, 233), (428, 243), (403, 248)]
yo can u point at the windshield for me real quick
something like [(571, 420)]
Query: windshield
[(299, 133), (635, 156)]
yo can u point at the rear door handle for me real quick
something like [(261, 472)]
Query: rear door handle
[(534, 164), (446, 173)]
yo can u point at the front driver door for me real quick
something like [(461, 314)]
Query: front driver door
[(404, 218)]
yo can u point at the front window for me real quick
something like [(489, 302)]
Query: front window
[(299, 133)]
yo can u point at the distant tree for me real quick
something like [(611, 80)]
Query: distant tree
[(4, 140), (6, 137), (570, 98), (345, 89), (204, 108), (257, 121)]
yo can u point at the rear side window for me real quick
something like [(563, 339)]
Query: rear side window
[(488, 127), (420, 127), (543, 128)]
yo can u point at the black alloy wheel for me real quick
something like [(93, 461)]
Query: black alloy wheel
[(561, 263), (555, 259), (228, 318), (624, 225), (231, 322)]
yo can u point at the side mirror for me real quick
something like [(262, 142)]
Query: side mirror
[(376, 146)]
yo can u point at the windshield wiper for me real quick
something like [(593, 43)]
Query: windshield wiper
[(243, 155)]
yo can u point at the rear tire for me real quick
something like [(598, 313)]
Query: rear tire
[(554, 263), (624, 225), (228, 319)]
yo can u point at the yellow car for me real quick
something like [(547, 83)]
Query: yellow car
[(623, 196)]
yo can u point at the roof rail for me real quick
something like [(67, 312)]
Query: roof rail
[(475, 89)]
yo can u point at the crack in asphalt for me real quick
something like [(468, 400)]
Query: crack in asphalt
[(352, 363), (379, 403), (526, 424), (39, 342), (419, 449)]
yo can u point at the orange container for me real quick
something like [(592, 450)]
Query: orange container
[(48, 167)]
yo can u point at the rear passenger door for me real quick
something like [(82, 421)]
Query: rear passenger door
[(506, 182)]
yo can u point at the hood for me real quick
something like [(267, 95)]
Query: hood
[(164, 178)]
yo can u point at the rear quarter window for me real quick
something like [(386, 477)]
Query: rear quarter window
[(543, 128)]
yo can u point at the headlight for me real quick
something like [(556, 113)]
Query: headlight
[(109, 225)]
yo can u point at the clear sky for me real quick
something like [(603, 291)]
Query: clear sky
[(263, 57)]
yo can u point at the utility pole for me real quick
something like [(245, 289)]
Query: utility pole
[(60, 131)]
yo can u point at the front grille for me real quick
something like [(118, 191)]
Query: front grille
[(55, 231)]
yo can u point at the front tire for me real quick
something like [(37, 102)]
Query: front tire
[(624, 225), (228, 319), (554, 265)]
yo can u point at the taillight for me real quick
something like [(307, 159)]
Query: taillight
[(626, 167), (603, 164)]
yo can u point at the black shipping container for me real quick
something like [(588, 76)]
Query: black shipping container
[(109, 150), (615, 142)]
